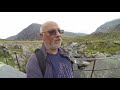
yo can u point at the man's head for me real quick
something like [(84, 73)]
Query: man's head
[(51, 35)]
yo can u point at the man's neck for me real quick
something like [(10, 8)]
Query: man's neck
[(54, 51), (50, 51)]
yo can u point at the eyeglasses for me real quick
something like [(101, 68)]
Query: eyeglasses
[(54, 31)]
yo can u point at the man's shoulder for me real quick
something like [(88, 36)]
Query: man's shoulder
[(32, 58), (36, 50), (32, 55)]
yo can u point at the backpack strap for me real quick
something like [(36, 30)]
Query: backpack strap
[(41, 60)]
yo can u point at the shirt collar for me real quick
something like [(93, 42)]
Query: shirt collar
[(60, 50)]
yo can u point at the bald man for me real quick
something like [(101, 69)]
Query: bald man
[(57, 62)]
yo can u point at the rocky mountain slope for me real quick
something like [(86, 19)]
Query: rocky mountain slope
[(32, 33), (109, 26)]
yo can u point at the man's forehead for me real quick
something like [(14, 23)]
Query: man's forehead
[(50, 25)]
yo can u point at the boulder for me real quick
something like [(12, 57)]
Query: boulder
[(7, 71)]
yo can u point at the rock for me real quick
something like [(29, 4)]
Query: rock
[(74, 44), (110, 44), (26, 51), (7, 71), (83, 46), (88, 55), (100, 55), (117, 53), (116, 42)]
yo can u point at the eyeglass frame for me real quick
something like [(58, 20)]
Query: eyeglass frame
[(53, 32)]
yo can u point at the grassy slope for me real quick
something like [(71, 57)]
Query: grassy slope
[(99, 43), (104, 47)]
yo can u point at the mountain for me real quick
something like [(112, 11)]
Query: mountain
[(29, 33), (11, 38), (109, 26), (32, 33), (108, 30), (68, 34)]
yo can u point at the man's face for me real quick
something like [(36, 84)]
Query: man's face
[(51, 36)]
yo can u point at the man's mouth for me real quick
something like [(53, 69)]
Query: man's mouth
[(57, 40)]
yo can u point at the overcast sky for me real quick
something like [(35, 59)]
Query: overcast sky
[(12, 23)]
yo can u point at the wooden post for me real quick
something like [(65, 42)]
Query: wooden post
[(17, 61), (93, 68)]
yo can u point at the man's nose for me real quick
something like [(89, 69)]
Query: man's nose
[(58, 34)]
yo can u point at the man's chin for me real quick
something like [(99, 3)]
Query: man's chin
[(56, 46)]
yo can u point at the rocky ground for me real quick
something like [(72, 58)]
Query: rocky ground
[(107, 65), (17, 54)]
